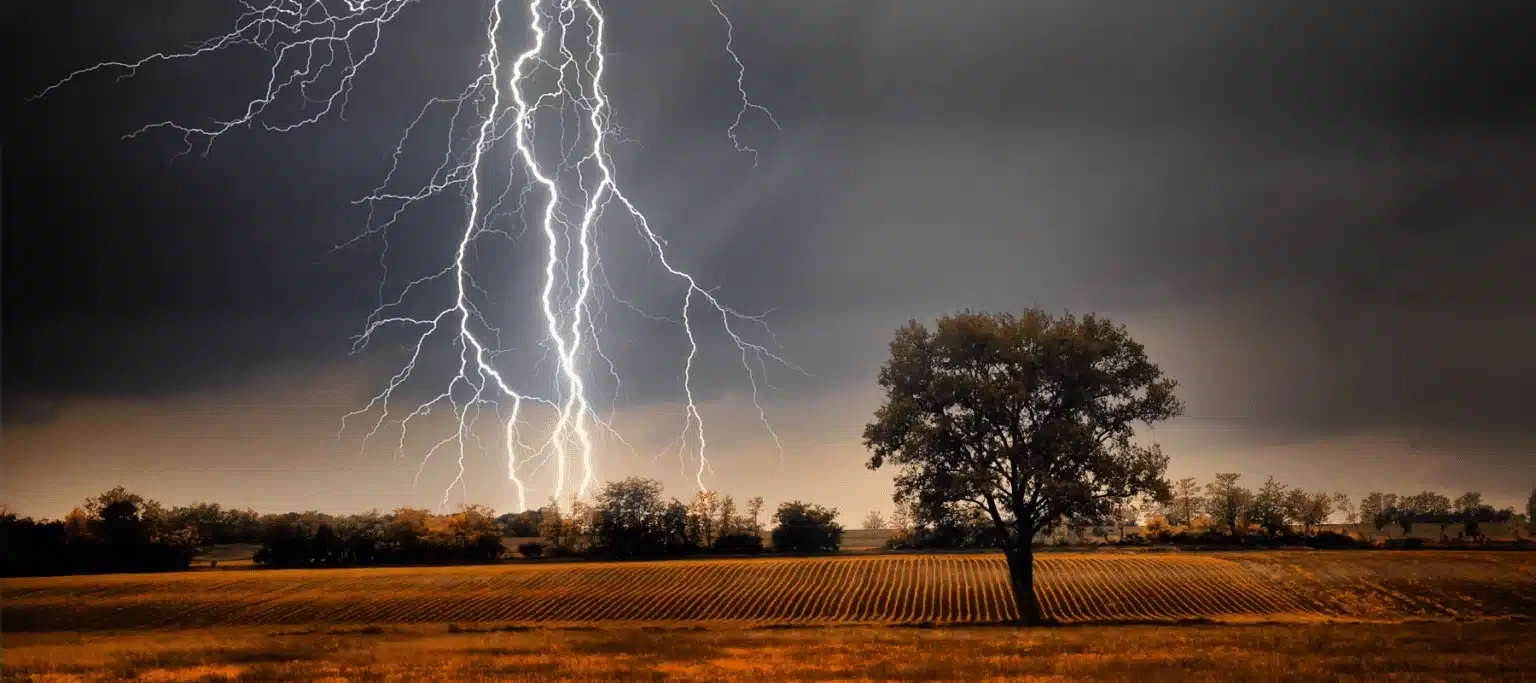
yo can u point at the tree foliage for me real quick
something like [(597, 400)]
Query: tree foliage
[(1228, 503), (404, 536), (1309, 510), (1429, 507), (630, 516), (1159, 528), (1378, 509), (806, 528), (1427, 503), (1028, 419), (954, 525), (120, 531), (754, 512), (523, 524), (704, 518), (1186, 503), (731, 523), (873, 521), (1267, 508), (117, 531), (1342, 505)]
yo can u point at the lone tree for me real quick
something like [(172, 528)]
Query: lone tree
[(1027, 419)]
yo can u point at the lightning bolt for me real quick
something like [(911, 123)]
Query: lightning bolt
[(317, 47)]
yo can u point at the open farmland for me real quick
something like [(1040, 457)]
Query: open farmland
[(1438, 652), (884, 589)]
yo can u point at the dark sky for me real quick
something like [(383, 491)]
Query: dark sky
[(1317, 215)]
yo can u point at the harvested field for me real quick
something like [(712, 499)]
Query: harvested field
[(884, 589), (1429, 652)]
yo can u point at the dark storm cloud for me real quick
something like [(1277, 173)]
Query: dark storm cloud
[(134, 270), (989, 63), (1333, 196)]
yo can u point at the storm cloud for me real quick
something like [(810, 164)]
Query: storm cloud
[(1316, 215)]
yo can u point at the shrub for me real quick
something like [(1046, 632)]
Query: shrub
[(486, 548), (740, 543), (1206, 536), (1201, 524), (1159, 530), (1333, 539), (1409, 543), (1288, 538), (532, 551), (1132, 540), (901, 542)]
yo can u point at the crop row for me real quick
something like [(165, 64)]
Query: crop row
[(964, 588)]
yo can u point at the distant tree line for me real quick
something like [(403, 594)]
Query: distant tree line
[(1225, 509), (404, 536), (1220, 512), (1465, 515), (631, 518), (119, 531)]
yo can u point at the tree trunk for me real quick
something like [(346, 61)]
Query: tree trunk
[(1021, 578)]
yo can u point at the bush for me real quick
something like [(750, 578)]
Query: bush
[(1333, 539), (1409, 543), (1159, 530), (486, 548), (1287, 538), (902, 542), (1132, 540), (532, 551), (744, 544), (1205, 536)]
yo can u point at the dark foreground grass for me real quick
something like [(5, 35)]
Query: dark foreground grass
[(1312, 652)]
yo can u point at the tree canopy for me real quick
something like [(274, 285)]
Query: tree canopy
[(1027, 418)]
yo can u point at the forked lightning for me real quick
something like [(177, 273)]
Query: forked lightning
[(316, 48)]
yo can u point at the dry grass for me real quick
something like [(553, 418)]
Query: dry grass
[(1314, 652), (1290, 586)]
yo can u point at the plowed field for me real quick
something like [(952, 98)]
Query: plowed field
[(961, 588)]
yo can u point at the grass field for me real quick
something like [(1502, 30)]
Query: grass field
[(1307, 652), (971, 588)]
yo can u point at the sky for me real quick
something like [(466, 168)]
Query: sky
[(1315, 215)]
